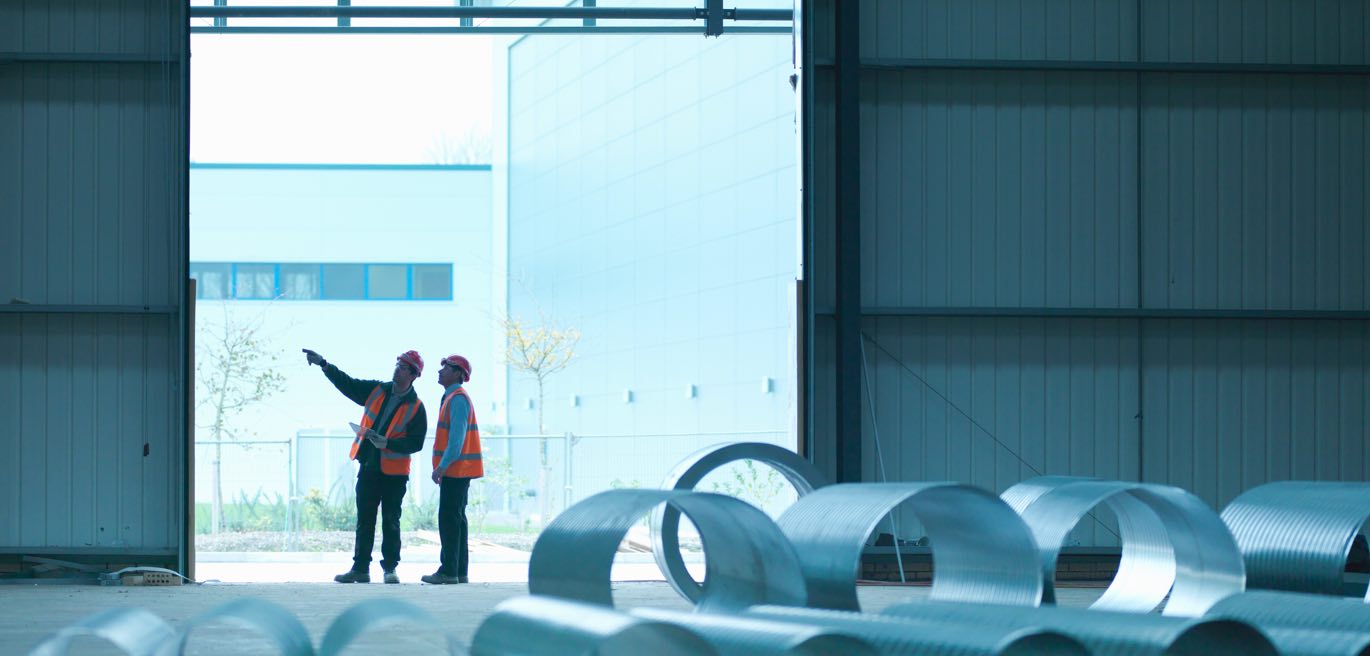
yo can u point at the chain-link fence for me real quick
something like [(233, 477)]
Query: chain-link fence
[(307, 483)]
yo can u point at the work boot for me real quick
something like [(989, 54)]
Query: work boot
[(391, 576), (353, 576), (438, 578)]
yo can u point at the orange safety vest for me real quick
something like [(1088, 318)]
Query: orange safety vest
[(392, 463), (468, 464)]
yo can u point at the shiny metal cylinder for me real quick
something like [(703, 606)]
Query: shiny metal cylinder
[(901, 636), (983, 550), (271, 620), (1172, 543), (748, 560), (1105, 632), (733, 635), (1313, 642), (381, 612), (543, 626), (1296, 535), (136, 631), (1294, 610), (665, 524)]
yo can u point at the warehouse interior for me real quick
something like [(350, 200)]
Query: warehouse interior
[(1118, 239)]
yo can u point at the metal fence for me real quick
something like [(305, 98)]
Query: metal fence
[(521, 487)]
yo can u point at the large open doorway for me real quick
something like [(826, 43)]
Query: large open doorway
[(603, 223)]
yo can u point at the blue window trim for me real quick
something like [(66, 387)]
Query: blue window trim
[(323, 292)]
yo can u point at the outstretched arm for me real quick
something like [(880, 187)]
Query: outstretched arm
[(357, 390)]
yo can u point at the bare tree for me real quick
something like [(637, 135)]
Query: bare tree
[(470, 147), (540, 351), (234, 370)]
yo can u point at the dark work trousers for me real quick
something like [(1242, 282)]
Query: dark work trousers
[(452, 525), (377, 489)]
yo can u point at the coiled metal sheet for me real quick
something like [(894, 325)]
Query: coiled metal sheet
[(904, 636), (377, 613), (543, 626), (1172, 543), (983, 550), (1105, 632), (1313, 642), (271, 620), (1298, 611), (747, 559), (689, 472), (1296, 535), (732, 635), (136, 631)]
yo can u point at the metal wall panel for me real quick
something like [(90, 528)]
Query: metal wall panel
[(995, 401), (1094, 189), (92, 213), (999, 189), (1255, 192)]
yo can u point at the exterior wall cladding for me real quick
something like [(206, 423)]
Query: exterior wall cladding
[(652, 205), (1097, 189)]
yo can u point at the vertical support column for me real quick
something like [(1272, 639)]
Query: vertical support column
[(847, 116), (344, 21)]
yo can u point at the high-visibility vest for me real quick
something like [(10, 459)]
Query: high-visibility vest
[(392, 463), (468, 464)]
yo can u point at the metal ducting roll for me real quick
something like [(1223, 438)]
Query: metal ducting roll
[(376, 613), (1313, 642), (983, 550), (689, 472), (135, 631), (1297, 535), (900, 636), (1296, 611), (543, 626), (733, 635), (1105, 632), (1172, 543), (271, 620), (748, 560)]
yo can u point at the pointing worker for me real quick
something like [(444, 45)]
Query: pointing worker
[(394, 425), (456, 460)]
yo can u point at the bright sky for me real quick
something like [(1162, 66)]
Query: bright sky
[(336, 99)]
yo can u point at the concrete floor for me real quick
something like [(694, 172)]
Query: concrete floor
[(34, 612)]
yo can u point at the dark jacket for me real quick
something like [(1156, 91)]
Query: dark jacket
[(359, 391)]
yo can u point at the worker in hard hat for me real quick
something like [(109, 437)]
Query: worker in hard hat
[(456, 460), (393, 426)]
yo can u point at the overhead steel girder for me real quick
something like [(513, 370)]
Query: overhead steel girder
[(548, 13), (485, 29)]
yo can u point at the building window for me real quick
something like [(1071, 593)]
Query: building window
[(433, 282), (387, 281), (299, 281), (254, 281), (344, 281), (211, 280)]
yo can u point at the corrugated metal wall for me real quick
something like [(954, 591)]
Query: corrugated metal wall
[(1075, 261), (92, 270)]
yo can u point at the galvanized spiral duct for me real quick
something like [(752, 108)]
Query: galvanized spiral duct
[(1313, 642), (135, 631), (377, 613), (543, 626), (1295, 611), (1172, 543), (1105, 632), (734, 635), (1296, 535), (902, 636), (665, 524), (983, 550), (748, 561), (271, 620)]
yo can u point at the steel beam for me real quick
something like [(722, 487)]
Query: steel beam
[(847, 165), (1114, 313), (514, 12), (486, 29), (84, 58), (910, 64), (27, 308)]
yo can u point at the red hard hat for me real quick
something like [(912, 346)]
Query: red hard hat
[(458, 362), (412, 359)]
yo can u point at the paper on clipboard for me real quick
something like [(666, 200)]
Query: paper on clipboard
[(365, 432)]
